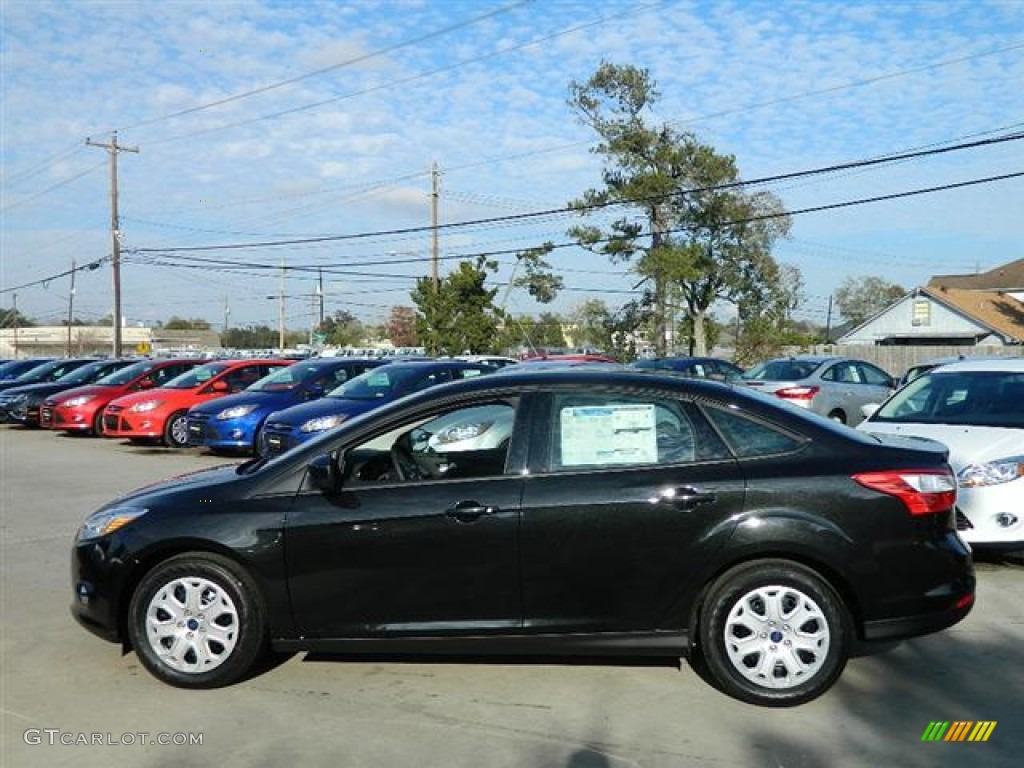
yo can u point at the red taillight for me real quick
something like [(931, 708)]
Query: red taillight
[(922, 491), (797, 393)]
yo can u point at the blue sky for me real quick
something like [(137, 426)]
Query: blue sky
[(259, 121)]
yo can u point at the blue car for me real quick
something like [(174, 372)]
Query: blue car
[(230, 424), (295, 425)]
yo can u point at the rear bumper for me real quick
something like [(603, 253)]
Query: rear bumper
[(905, 627)]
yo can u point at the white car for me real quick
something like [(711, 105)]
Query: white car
[(975, 407)]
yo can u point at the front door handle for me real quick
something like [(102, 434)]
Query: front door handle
[(469, 511), (684, 497)]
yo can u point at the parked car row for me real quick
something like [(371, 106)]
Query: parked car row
[(268, 406)]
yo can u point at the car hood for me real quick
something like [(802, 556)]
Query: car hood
[(190, 481), (157, 393), (265, 400), (41, 390), (325, 406), (967, 444), (90, 389)]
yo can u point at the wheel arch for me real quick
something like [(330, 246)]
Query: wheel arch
[(151, 558), (819, 565)]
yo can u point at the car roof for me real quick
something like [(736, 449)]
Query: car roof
[(992, 364)]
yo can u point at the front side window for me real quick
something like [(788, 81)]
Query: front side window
[(458, 443)]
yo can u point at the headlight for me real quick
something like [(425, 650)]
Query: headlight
[(145, 406), (992, 473), (74, 402), (14, 399), (461, 432), (321, 423), (236, 411), (106, 521)]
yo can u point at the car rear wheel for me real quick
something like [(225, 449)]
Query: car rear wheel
[(195, 621), (774, 633), (176, 430)]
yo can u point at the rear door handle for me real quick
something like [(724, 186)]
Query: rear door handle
[(469, 511), (684, 497)]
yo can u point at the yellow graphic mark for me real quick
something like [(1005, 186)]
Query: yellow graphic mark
[(982, 730), (959, 730)]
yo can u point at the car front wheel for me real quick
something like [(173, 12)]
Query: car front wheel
[(774, 633), (176, 430), (195, 621)]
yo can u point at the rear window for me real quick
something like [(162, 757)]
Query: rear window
[(781, 370), (749, 438)]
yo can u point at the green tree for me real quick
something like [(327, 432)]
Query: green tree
[(698, 232), (543, 331), (176, 323), (250, 337), (401, 327), (459, 315), (11, 318), (858, 298), (538, 278), (342, 329)]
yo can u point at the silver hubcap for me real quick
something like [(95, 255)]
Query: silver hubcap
[(179, 430), (776, 637), (192, 625)]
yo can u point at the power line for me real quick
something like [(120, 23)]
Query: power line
[(48, 190), (594, 206)]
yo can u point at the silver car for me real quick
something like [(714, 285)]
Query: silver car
[(832, 386)]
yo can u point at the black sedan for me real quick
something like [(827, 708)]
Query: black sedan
[(551, 512)]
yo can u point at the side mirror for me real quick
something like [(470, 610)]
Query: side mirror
[(868, 410), (323, 474), (219, 386), (146, 384), (315, 392)]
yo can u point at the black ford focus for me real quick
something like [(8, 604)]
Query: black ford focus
[(554, 512)]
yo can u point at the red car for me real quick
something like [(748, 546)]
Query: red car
[(160, 413), (81, 409)]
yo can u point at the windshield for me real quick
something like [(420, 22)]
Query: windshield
[(196, 377), (86, 373), (975, 398), (47, 371), (379, 383), (125, 375), (781, 370), (285, 379)]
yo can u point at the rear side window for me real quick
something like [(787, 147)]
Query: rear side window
[(749, 438), (594, 431)]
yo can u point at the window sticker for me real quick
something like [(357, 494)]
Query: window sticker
[(608, 434)]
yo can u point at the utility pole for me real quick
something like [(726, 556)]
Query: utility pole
[(828, 322), (227, 314), (16, 323), (115, 234), (71, 307), (320, 294), (280, 317), (434, 195)]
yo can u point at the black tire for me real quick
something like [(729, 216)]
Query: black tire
[(218, 642), (97, 423), (787, 663), (838, 415), (176, 430)]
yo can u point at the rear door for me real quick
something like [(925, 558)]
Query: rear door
[(617, 507)]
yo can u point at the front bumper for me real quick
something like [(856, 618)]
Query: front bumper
[(207, 431), (992, 516), (98, 578), (123, 423)]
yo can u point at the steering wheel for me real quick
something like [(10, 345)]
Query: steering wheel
[(402, 460)]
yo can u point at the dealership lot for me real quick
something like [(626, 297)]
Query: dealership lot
[(59, 683)]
